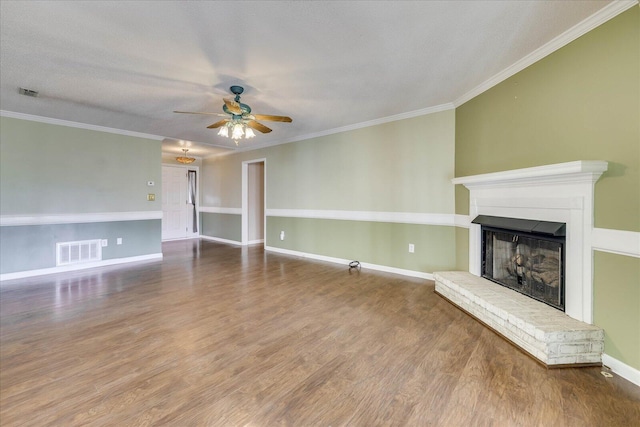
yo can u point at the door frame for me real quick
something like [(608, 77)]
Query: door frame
[(186, 169), (245, 201)]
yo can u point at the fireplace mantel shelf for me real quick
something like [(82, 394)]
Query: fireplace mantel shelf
[(590, 170)]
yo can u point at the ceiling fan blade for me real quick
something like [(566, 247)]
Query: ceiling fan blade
[(194, 112), (218, 124), (233, 106), (273, 118), (258, 126)]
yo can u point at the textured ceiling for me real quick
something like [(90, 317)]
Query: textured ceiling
[(327, 64)]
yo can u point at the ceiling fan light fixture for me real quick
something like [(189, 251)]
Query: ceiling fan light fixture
[(237, 131), (242, 123), (224, 131), (185, 159)]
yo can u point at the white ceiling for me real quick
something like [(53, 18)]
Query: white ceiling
[(327, 64)]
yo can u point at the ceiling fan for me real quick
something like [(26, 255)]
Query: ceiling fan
[(238, 121)]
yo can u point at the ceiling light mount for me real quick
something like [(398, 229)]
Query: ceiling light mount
[(185, 159)]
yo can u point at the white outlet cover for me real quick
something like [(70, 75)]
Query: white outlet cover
[(119, 241), (104, 243)]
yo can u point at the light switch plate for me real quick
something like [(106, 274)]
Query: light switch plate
[(151, 197)]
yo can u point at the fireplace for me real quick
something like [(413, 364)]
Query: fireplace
[(560, 196), (526, 256)]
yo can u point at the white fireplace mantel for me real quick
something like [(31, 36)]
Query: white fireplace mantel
[(560, 192)]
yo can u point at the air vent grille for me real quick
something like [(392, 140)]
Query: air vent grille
[(68, 253), (28, 92)]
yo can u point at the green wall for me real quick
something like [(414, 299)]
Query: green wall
[(403, 166), (48, 169), (223, 226), (582, 102), (617, 304), (32, 247), (380, 243)]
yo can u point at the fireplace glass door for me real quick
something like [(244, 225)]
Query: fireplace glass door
[(526, 263)]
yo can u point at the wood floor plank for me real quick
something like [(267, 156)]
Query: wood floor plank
[(225, 336)]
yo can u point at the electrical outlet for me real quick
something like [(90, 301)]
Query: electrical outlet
[(104, 243), (119, 241), (151, 197), (282, 235), (412, 248)]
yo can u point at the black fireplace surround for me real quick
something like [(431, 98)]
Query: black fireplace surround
[(527, 256)]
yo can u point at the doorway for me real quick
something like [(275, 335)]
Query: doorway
[(253, 201), (180, 189)]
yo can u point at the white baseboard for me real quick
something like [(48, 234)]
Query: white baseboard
[(220, 240), (195, 236), (103, 263), (622, 369), (345, 262), (255, 242)]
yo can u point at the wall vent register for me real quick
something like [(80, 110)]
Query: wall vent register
[(68, 253)]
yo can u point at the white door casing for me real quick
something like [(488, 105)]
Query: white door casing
[(245, 239), (176, 212)]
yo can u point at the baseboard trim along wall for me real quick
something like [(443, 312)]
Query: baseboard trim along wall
[(345, 262), (220, 240), (103, 263), (622, 369), (76, 218)]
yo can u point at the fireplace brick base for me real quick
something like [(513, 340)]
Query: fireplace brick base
[(547, 334)]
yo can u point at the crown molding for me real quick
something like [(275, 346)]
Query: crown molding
[(600, 17), (67, 123)]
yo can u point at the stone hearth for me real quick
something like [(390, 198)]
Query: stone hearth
[(547, 334)]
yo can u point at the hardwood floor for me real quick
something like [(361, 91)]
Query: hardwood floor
[(225, 336)]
